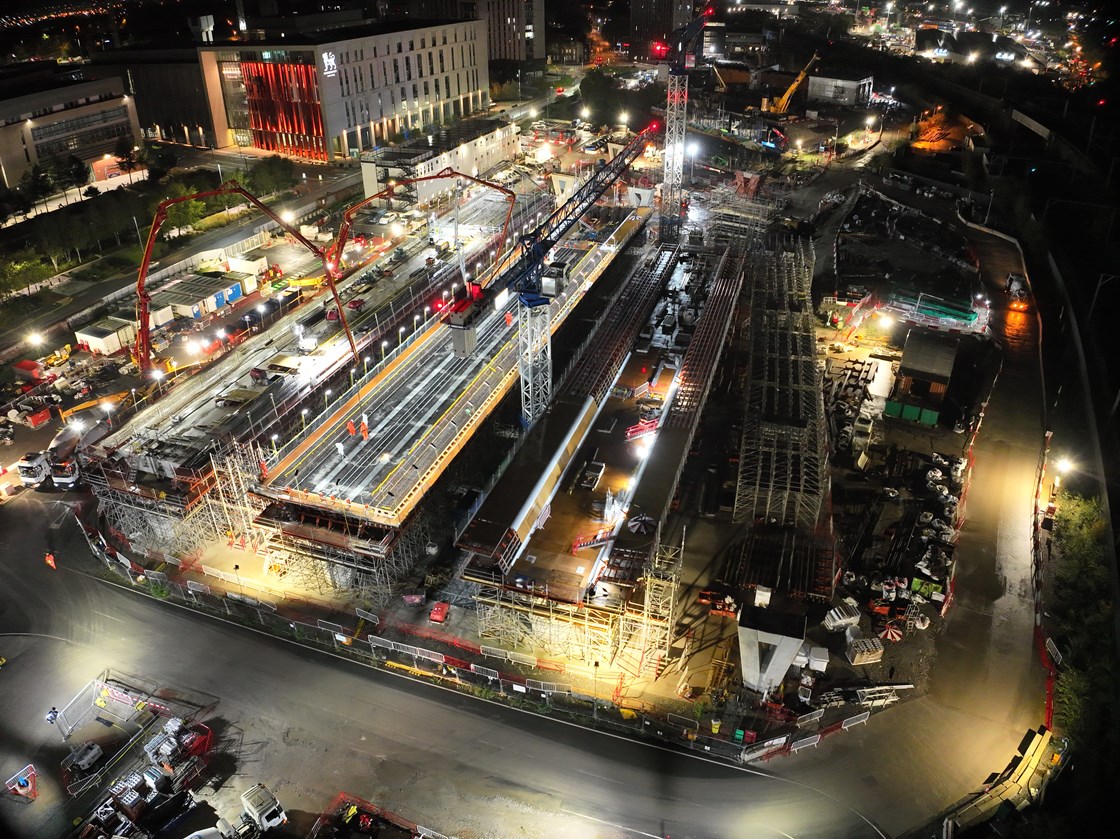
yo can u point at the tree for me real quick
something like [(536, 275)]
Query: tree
[(125, 153), (36, 184), (91, 192), (50, 239), (185, 213), (21, 270), (12, 203), (271, 175), (160, 161), (68, 172)]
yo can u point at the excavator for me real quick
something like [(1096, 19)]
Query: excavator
[(781, 106)]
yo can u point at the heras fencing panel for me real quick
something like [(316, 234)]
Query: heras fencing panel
[(430, 656)]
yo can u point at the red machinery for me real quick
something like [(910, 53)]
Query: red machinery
[(143, 330), (331, 256), (336, 249)]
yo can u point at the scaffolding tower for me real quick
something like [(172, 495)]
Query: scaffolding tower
[(782, 466), (534, 341), (533, 620), (647, 633)]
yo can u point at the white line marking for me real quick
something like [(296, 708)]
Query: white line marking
[(110, 617), (612, 824)]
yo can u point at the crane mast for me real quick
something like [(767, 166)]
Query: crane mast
[(676, 125)]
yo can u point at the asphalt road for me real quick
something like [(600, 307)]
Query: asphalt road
[(312, 726)]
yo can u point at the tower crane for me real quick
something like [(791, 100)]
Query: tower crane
[(523, 272), (144, 299), (676, 124)]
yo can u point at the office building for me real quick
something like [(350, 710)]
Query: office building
[(340, 92), (46, 117)]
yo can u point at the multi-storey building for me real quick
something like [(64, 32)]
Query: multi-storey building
[(341, 92), (515, 28), (653, 20), (44, 117)]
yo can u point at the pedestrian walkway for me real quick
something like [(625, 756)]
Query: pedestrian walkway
[(74, 196)]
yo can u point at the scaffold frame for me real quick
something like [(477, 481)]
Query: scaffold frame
[(782, 460)]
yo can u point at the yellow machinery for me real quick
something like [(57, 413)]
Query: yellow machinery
[(58, 357), (782, 105), (306, 282), (112, 399)]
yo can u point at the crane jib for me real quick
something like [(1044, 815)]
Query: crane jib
[(525, 275)]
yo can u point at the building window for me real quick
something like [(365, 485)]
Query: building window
[(431, 65), (400, 46)]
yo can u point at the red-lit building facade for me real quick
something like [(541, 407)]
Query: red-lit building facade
[(342, 92)]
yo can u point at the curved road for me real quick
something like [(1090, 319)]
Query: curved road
[(313, 726)]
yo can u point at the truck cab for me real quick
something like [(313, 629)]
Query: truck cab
[(262, 809), (34, 468), (66, 473)]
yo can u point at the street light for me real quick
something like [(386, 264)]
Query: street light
[(326, 398), (595, 690), (384, 345), (693, 148), (303, 418), (624, 118), (35, 339), (585, 114), (273, 438), (400, 336)]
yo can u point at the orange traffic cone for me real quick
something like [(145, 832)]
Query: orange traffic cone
[(49, 559)]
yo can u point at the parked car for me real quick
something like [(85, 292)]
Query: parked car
[(332, 314), (388, 218), (356, 304)]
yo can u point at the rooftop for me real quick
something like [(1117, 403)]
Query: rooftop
[(332, 36)]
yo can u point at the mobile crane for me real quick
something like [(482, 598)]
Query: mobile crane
[(782, 105)]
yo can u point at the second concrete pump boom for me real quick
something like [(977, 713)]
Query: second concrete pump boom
[(144, 299)]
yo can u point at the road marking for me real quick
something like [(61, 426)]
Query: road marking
[(110, 617), (612, 824)]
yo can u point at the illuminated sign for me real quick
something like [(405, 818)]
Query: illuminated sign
[(330, 65)]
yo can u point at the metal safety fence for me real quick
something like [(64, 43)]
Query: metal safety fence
[(550, 698)]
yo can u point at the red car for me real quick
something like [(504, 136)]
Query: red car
[(356, 304), (439, 612)]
